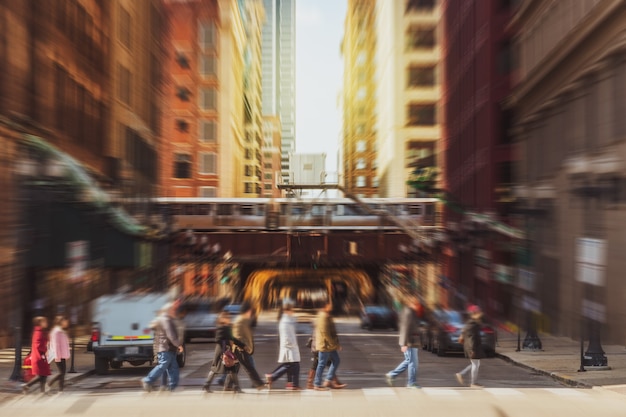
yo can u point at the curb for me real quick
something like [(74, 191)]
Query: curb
[(563, 379)]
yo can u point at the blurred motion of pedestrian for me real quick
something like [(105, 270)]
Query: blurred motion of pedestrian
[(224, 341), (315, 361), (472, 345), (39, 349), (168, 345), (289, 352), (328, 347), (242, 331), (409, 342), (59, 349)]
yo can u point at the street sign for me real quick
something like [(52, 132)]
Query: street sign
[(594, 311), (591, 261), (77, 255), (531, 304)]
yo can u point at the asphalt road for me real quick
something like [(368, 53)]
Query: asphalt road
[(365, 358)]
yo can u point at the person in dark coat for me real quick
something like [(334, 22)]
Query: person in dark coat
[(224, 340), (39, 361), (472, 345), (409, 342)]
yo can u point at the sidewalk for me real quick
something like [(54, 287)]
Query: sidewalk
[(560, 359), (83, 365)]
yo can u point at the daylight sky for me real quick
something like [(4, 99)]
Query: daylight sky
[(319, 77)]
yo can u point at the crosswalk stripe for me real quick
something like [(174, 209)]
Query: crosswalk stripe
[(504, 392), (442, 392), (568, 392)]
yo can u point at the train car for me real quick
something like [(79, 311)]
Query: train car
[(296, 214)]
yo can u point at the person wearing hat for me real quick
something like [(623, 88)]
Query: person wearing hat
[(472, 345), (289, 352), (167, 344)]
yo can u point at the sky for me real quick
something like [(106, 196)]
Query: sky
[(319, 77)]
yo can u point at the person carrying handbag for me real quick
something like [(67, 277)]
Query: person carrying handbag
[(39, 361)]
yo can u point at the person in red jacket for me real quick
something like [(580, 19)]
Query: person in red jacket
[(39, 348)]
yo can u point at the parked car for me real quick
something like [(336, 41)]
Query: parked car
[(235, 310), (378, 316), (446, 328), (199, 318)]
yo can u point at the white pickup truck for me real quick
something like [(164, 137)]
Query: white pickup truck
[(121, 329)]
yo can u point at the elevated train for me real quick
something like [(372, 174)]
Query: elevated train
[(212, 214)]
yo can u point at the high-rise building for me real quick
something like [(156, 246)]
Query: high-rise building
[(358, 148), (212, 116), (407, 92), (569, 103), (477, 147), (271, 156), (279, 71)]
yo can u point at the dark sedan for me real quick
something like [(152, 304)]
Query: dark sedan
[(446, 329), (376, 316)]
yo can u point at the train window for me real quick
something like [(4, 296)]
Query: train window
[(204, 209), (415, 210), (340, 210), (174, 210), (188, 209), (298, 210), (318, 210), (224, 209), (260, 210), (247, 210), (430, 209)]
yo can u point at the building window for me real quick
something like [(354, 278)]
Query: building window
[(361, 146), (419, 6), (208, 162), (267, 176), (307, 167), (267, 186), (206, 35), (418, 37), (124, 32), (421, 76), (360, 129), (267, 165), (421, 115), (208, 192), (182, 125), (183, 93), (248, 171), (360, 163), (182, 60), (206, 65), (361, 93), (360, 181), (125, 84), (208, 131), (182, 165), (248, 153), (249, 188), (207, 99)]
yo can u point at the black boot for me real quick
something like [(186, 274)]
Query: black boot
[(209, 379)]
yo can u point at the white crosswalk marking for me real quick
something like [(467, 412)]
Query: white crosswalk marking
[(569, 392), (504, 392), (377, 393), (442, 392)]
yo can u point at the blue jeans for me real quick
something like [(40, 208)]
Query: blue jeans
[(410, 362), (166, 362), (323, 357)]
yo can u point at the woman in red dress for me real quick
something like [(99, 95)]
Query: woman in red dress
[(39, 348)]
